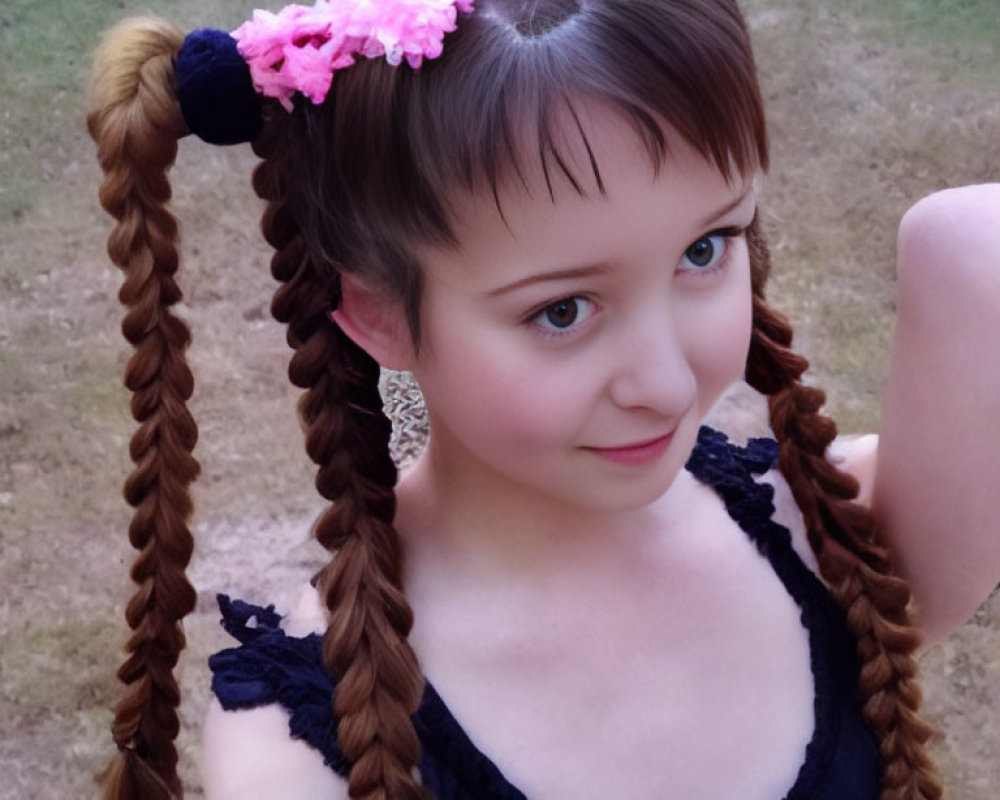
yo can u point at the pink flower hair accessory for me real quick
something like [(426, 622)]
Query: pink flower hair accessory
[(299, 48)]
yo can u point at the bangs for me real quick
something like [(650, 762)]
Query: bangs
[(510, 86), (382, 159)]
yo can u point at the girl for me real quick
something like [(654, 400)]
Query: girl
[(550, 218)]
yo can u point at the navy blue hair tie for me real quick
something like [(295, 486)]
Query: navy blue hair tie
[(215, 90)]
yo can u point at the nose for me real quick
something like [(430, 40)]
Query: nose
[(650, 368)]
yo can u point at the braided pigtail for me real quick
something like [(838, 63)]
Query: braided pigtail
[(841, 532), (136, 123), (347, 435)]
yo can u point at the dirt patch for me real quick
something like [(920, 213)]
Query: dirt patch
[(863, 123)]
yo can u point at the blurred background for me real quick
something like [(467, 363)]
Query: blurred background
[(872, 104)]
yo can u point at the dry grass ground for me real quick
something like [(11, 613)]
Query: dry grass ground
[(871, 105)]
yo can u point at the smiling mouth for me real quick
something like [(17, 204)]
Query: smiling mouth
[(636, 453)]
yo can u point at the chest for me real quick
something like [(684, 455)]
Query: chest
[(686, 675)]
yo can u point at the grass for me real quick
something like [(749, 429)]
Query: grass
[(877, 111), (34, 659), (971, 23), (47, 46), (968, 31), (50, 42)]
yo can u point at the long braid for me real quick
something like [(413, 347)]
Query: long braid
[(841, 533), (347, 435), (136, 123)]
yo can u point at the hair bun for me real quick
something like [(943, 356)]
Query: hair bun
[(214, 88)]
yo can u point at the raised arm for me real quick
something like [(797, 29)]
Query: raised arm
[(937, 483)]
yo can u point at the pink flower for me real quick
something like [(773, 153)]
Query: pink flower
[(299, 48)]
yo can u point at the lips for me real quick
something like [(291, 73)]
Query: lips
[(636, 453)]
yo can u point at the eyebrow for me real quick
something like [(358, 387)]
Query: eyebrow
[(585, 271), (736, 203), (590, 270)]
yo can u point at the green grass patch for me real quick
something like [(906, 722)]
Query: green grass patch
[(46, 50), (970, 23), (48, 44), (965, 22), (100, 395), (964, 34), (33, 664)]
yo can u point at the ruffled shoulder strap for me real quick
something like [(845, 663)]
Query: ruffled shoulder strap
[(272, 667), (729, 469)]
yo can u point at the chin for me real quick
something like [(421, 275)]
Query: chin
[(623, 493)]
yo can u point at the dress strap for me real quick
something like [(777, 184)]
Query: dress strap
[(839, 735)]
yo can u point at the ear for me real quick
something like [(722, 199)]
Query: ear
[(375, 321)]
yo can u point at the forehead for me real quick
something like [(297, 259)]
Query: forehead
[(538, 216)]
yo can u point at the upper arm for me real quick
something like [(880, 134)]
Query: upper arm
[(249, 753), (935, 487), (855, 455)]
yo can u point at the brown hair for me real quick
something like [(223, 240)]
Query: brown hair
[(136, 127), (373, 171)]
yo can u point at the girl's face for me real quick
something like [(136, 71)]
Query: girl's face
[(571, 354)]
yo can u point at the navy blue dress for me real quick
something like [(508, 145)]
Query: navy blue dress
[(841, 761)]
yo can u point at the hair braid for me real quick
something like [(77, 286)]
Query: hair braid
[(136, 123), (841, 532), (347, 435)]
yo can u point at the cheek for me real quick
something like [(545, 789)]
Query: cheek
[(720, 340), (486, 389), (528, 403)]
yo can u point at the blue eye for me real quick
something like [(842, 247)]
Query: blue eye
[(563, 314), (705, 253)]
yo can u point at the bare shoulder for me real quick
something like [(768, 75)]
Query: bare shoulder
[(249, 753), (856, 455)]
